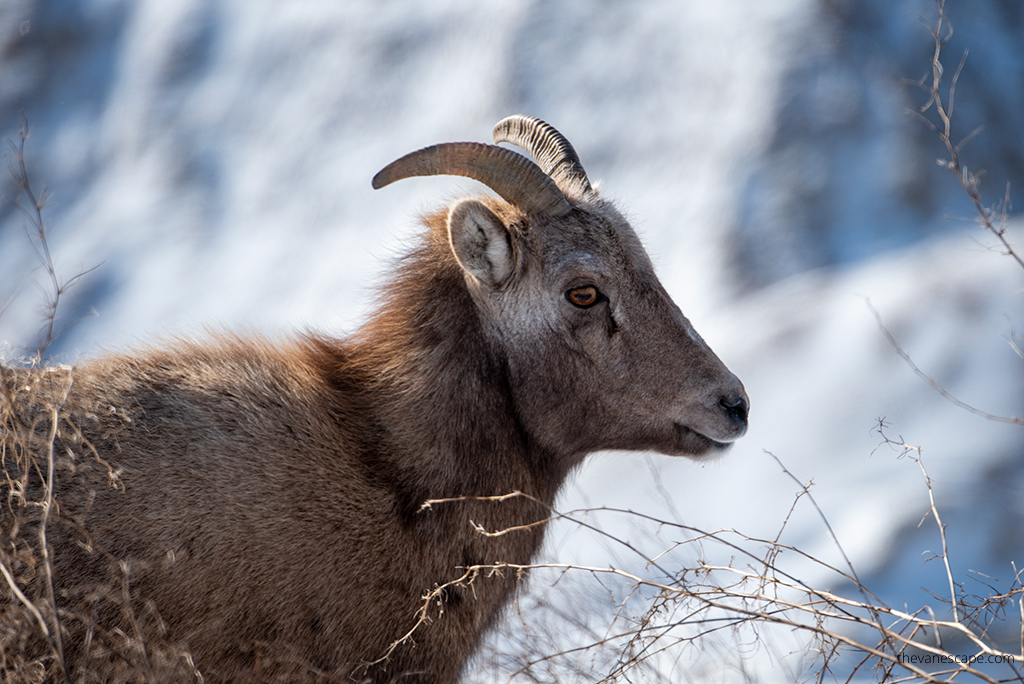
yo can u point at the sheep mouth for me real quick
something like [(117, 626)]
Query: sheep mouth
[(691, 442)]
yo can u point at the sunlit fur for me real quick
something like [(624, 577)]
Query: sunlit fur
[(271, 509)]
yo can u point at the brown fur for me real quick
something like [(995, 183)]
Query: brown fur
[(269, 506)]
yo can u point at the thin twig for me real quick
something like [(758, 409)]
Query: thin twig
[(44, 545), (969, 181), (942, 534), (25, 601), (34, 215), (1014, 420)]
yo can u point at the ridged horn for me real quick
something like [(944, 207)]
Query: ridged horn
[(553, 152), (515, 178)]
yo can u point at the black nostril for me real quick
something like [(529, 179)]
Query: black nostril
[(736, 407)]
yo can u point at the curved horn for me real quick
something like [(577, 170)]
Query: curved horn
[(553, 152), (518, 180)]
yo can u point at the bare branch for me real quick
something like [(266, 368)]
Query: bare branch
[(943, 109), (1015, 420)]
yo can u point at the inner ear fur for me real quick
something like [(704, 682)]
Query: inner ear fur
[(480, 242)]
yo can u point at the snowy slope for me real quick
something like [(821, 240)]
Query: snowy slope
[(206, 153), (210, 161)]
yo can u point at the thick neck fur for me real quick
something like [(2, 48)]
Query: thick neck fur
[(438, 388)]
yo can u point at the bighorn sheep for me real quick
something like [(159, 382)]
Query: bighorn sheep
[(270, 497)]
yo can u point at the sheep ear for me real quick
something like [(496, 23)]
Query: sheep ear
[(480, 241)]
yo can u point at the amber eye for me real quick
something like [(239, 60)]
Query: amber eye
[(583, 296)]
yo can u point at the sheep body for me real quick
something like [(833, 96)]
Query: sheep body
[(261, 505)]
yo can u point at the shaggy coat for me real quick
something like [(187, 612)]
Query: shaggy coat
[(262, 504)]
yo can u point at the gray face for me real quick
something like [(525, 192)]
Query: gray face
[(600, 355)]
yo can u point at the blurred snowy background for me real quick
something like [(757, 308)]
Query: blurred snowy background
[(210, 162)]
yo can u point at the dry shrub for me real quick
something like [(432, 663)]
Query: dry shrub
[(718, 605), (66, 606)]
